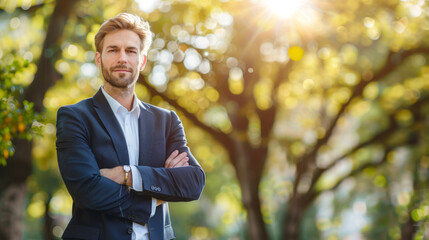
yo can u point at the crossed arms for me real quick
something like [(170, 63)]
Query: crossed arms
[(181, 178), (117, 174)]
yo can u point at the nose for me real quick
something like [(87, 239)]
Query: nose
[(122, 58)]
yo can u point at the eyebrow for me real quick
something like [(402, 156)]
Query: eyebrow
[(116, 47)]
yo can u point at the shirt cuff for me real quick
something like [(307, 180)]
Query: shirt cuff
[(137, 180), (153, 207)]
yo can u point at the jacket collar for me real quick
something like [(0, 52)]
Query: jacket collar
[(111, 124)]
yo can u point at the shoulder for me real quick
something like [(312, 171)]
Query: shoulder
[(81, 106), (159, 112), (78, 111), (154, 109)]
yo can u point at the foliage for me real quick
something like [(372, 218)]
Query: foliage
[(16, 116), (347, 80)]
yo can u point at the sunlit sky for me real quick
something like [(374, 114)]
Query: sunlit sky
[(281, 8), (284, 9)]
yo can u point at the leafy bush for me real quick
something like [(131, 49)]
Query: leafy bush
[(17, 117)]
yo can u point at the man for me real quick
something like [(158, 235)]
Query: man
[(112, 148)]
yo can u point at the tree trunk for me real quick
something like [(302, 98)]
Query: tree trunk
[(13, 177), (408, 229), (256, 225), (249, 182), (294, 214), (11, 211), (13, 191)]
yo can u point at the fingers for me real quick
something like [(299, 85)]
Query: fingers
[(181, 162), (177, 160), (170, 158), (115, 174), (159, 202)]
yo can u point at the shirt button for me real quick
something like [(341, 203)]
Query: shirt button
[(130, 230)]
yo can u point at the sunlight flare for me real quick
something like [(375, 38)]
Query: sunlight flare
[(284, 8)]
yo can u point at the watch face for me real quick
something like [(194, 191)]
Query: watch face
[(127, 168)]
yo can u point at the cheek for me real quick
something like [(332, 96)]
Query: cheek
[(106, 61), (136, 63)]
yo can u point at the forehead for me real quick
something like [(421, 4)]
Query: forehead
[(122, 38)]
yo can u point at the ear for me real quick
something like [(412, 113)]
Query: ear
[(143, 64), (98, 59)]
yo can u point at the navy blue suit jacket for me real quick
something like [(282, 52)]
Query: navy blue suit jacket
[(90, 138)]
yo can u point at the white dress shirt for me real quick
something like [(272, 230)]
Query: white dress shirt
[(129, 125)]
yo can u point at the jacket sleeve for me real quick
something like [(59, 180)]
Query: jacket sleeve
[(174, 184), (81, 174)]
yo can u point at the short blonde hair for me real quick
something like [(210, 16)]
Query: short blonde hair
[(128, 22)]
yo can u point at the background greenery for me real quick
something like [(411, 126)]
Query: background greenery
[(310, 124)]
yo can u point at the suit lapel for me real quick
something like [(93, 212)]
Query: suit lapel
[(112, 126), (145, 135)]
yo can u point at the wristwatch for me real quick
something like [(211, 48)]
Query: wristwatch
[(127, 169)]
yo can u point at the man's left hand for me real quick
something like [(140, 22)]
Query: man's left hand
[(116, 174)]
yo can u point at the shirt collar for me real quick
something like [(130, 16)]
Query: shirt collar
[(116, 106)]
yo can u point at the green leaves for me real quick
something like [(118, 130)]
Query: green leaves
[(17, 118)]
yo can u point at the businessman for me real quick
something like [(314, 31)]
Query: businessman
[(123, 160)]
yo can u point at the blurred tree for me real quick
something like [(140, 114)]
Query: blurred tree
[(18, 122), (13, 176), (224, 108), (262, 72), (310, 106), (353, 82), (17, 118)]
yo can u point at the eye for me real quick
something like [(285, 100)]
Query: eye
[(132, 51)]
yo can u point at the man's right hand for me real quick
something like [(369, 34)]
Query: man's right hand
[(175, 160)]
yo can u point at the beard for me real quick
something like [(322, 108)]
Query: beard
[(122, 81)]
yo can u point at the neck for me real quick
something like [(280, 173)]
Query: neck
[(124, 96)]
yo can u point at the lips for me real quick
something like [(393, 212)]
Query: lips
[(121, 70)]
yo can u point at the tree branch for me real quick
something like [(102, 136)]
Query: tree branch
[(380, 137), (392, 62), (223, 138), (46, 74), (32, 8), (359, 169)]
